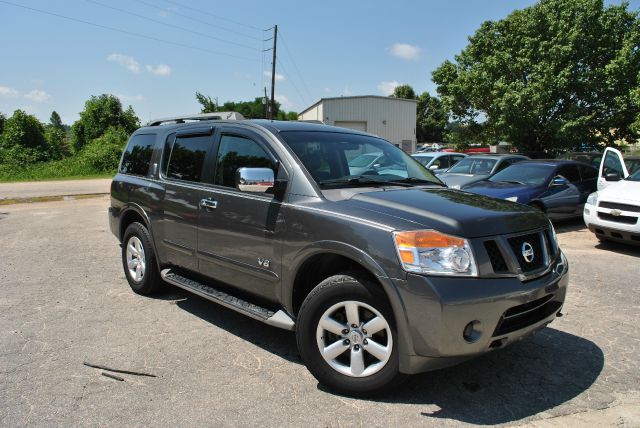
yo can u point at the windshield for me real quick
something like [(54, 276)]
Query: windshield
[(633, 165), (531, 174), (333, 159), (424, 160), (471, 165), (364, 160), (635, 176)]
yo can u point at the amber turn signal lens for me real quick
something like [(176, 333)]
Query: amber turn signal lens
[(426, 239)]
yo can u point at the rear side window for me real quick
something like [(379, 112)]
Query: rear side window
[(588, 173), (570, 172), (238, 152), (187, 157), (137, 155)]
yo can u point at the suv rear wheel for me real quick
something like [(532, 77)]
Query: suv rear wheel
[(347, 337), (139, 260)]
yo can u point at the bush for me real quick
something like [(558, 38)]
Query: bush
[(103, 153), (22, 141)]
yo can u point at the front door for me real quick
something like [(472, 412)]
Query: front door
[(611, 163), (239, 232)]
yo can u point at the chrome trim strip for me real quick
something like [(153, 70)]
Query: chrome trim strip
[(179, 247), (224, 261)]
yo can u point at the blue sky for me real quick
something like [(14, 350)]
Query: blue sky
[(326, 49)]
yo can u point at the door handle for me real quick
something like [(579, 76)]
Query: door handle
[(208, 204)]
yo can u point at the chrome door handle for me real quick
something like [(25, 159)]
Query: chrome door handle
[(208, 204)]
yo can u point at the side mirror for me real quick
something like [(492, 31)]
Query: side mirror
[(255, 180), (612, 176), (433, 167), (559, 180)]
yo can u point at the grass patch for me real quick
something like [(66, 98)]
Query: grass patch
[(65, 169)]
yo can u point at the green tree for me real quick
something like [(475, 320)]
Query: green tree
[(3, 119), (207, 103), (22, 141), (56, 121), (432, 119), (57, 141), (404, 91), (99, 114), (103, 153), (250, 109), (555, 75)]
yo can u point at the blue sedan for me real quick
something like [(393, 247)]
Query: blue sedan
[(558, 187)]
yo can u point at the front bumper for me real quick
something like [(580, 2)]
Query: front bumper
[(501, 310), (613, 230)]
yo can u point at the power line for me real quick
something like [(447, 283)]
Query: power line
[(170, 25), (130, 33), (212, 15), (304, 84), (151, 5), (302, 97)]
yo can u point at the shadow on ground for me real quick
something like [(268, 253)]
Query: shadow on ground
[(529, 377), (570, 225)]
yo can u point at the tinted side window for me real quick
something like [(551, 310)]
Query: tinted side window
[(588, 173), (187, 157), (505, 163), (570, 172), (612, 165), (137, 155), (238, 152), (456, 159)]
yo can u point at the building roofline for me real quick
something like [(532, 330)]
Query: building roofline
[(354, 97)]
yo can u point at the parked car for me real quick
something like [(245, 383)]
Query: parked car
[(613, 211), (589, 158), (476, 168), (379, 274), (439, 162), (559, 188)]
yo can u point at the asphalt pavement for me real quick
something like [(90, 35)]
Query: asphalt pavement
[(64, 300)]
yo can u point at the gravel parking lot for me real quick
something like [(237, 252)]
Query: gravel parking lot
[(65, 300)]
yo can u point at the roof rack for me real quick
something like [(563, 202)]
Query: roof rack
[(219, 115)]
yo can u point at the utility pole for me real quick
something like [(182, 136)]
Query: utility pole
[(273, 73), (265, 101)]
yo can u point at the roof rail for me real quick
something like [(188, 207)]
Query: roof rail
[(219, 115)]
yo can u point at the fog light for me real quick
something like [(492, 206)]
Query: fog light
[(472, 331)]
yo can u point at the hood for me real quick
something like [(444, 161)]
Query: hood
[(622, 191), (503, 190), (456, 181), (450, 211)]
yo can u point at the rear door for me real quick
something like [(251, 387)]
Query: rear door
[(238, 233), (612, 163), (181, 173)]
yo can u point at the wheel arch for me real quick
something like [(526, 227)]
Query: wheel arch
[(326, 258)]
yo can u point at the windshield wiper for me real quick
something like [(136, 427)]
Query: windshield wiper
[(361, 181), (415, 180), (513, 181)]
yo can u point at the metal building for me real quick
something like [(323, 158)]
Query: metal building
[(393, 119)]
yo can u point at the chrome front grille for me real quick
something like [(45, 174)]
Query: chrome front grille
[(526, 255)]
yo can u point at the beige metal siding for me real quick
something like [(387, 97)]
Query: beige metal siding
[(389, 118), (358, 126)]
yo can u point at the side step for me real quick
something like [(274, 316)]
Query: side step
[(277, 319)]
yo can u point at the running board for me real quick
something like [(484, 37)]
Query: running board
[(277, 319)]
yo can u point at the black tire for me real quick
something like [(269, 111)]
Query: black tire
[(150, 282), (348, 286)]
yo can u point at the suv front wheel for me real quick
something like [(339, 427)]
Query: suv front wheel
[(347, 337)]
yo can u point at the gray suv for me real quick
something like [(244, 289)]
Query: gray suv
[(380, 273)]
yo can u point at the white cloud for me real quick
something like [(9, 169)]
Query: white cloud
[(159, 70), (128, 98), (37, 96), (6, 91), (387, 87), (405, 51), (284, 101), (126, 61), (279, 77)]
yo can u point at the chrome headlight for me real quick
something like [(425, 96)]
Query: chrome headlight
[(432, 252), (593, 199)]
